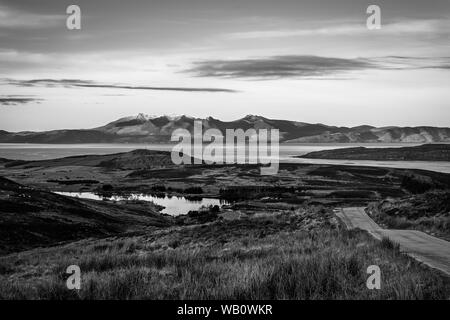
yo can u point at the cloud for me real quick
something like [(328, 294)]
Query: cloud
[(92, 84), (17, 100), (310, 67), (395, 28), (289, 66), (11, 18), (412, 63)]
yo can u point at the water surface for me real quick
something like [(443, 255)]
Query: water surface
[(173, 205), (24, 151), (30, 151)]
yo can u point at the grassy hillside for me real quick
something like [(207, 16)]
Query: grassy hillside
[(279, 240), (426, 152), (301, 255), (31, 218), (428, 212), (136, 159)]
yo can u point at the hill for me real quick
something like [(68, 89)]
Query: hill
[(426, 152), (32, 218), (136, 159), (428, 212), (146, 129)]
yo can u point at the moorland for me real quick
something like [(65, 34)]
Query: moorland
[(275, 238)]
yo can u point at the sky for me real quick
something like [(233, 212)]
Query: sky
[(312, 61)]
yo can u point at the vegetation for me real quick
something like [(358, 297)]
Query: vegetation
[(428, 212), (71, 182), (426, 152), (273, 243), (301, 255), (234, 193), (31, 218), (417, 184), (193, 190)]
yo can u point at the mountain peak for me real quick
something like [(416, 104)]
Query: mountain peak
[(142, 116), (170, 117), (252, 117)]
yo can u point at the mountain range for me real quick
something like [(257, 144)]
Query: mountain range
[(158, 129)]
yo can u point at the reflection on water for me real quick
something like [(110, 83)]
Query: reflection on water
[(173, 205)]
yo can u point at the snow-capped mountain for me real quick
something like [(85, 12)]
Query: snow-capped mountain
[(158, 129)]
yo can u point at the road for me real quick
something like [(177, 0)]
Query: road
[(430, 250)]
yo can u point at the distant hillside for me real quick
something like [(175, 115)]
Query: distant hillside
[(31, 218), (132, 160), (146, 129), (426, 152)]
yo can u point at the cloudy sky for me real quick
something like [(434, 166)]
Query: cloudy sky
[(312, 61)]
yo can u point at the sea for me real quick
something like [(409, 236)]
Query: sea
[(287, 153)]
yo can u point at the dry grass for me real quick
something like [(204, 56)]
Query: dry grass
[(188, 263), (428, 212)]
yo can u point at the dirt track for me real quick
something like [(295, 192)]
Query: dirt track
[(430, 250)]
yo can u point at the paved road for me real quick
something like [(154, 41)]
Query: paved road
[(430, 250)]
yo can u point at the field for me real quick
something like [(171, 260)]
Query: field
[(276, 239), (301, 255)]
